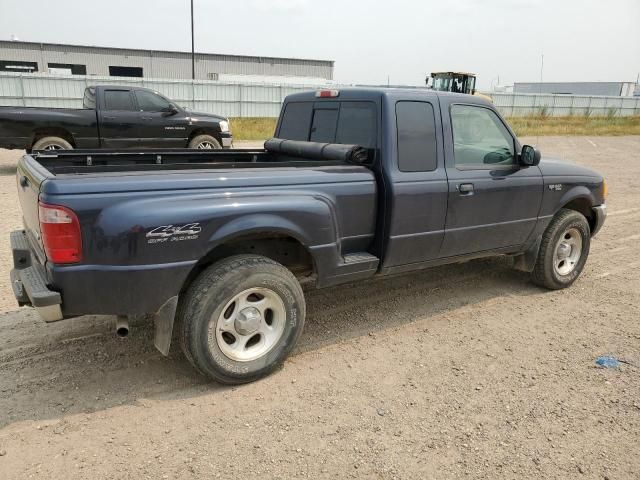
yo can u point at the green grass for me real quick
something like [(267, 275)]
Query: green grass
[(263, 128), (575, 125), (253, 128)]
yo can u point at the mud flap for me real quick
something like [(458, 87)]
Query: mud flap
[(163, 322), (527, 261)]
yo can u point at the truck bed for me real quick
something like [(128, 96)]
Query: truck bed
[(19, 124)]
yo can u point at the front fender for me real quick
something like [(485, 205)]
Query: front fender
[(576, 192)]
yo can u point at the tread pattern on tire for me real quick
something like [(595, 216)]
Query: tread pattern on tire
[(58, 140), (193, 301), (197, 139), (539, 275)]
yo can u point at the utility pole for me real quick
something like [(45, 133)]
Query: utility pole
[(193, 55)]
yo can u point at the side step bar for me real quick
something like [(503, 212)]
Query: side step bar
[(362, 260), (354, 266)]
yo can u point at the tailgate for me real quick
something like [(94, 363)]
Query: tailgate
[(29, 176)]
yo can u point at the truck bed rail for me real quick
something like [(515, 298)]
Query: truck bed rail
[(96, 161)]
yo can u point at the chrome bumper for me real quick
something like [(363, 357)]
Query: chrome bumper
[(600, 213)]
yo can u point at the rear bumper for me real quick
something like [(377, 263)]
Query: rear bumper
[(64, 291), (600, 214), (29, 280)]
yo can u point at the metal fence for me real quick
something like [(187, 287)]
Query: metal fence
[(525, 104), (264, 100)]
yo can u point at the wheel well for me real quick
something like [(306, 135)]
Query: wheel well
[(52, 132), (284, 249), (203, 131), (583, 206)]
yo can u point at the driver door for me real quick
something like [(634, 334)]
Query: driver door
[(493, 202), (161, 124)]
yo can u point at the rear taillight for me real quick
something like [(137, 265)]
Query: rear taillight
[(60, 232)]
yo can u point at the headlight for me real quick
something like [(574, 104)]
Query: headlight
[(224, 126)]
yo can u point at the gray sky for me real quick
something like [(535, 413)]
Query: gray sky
[(582, 40)]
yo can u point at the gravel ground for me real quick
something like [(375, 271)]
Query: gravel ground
[(465, 371)]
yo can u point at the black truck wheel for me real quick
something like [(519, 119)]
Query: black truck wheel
[(563, 251), (204, 142), (241, 318), (51, 143)]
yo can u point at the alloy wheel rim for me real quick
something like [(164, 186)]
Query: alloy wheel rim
[(250, 325), (567, 252)]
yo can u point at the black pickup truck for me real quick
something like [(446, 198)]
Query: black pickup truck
[(357, 183), (113, 117)]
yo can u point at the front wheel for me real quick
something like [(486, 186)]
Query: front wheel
[(204, 142), (563, 251), (241, 318)]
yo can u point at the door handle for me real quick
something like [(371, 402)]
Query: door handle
[(107, 117), (465, 188), (147, 118)]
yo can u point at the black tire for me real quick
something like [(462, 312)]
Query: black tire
[(210, 294), (204, 142), (545, 272), (51, 143)]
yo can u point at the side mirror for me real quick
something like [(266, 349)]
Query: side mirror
[(172, 110), (529, 156)]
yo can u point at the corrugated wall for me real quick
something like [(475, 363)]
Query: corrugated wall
[(162, 64), (523, 105), (264, 100)]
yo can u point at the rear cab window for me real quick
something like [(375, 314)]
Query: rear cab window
[(344, 122)]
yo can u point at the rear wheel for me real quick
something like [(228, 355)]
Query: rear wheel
[(51, 143), (204, 142), (563, 251), (241, 318)]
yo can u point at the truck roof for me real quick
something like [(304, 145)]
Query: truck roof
[(368, 93), (126, 87)]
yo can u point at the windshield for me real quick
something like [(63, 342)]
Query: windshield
[(456, 84), (442, 84)]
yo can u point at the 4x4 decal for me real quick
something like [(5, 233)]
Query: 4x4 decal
[(174, 233)]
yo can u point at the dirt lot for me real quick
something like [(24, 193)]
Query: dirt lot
[(459, 372)]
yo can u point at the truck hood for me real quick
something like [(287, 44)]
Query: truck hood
[(206, 116), (552, 167)]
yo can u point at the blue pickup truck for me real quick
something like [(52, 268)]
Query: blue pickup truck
[(357, 183)]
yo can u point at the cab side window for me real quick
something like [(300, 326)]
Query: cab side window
[(118, 100), (416, 137), (480, 139)]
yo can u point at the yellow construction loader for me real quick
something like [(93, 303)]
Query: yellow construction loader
[(457, 82)]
